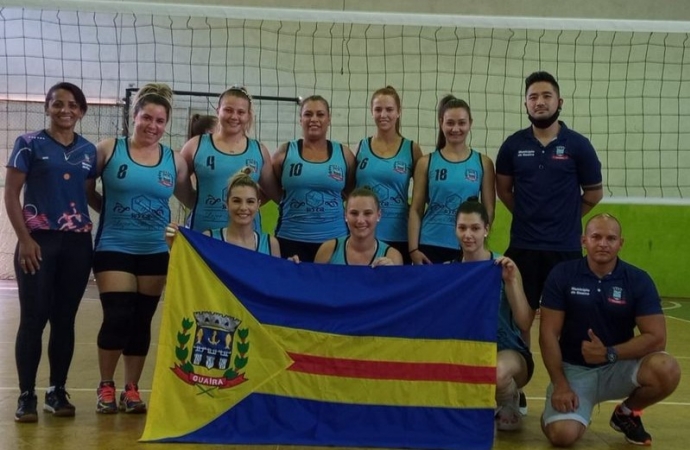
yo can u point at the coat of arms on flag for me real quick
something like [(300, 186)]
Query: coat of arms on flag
[(210, 350), (258, 350)]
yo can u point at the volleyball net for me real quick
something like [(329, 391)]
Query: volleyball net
[(626, 85)]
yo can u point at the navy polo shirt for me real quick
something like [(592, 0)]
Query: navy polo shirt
[(546, 184), (608, 305)]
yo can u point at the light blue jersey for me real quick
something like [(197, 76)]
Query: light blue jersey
[(135, 208), (389, 178), (449, 185), (311, 209), (263, 240), (509, 336), (339, 255), (213, 168)]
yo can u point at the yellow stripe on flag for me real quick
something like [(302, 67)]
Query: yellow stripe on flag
[(197, 312), (381, 392), (376, 348)]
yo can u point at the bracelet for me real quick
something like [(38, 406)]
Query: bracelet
[(413, 250)]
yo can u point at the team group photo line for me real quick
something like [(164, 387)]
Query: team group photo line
[(337, 205)]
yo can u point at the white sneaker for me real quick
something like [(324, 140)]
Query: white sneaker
[(508, 418), (523, 402)]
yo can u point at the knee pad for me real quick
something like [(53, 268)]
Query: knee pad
[(118, 311), (140, 336)]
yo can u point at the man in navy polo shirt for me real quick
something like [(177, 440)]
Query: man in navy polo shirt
[(589, 312), (548, 176)]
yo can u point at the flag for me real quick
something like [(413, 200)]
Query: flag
[(255, 349)]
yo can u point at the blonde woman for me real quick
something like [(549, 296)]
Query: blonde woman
[(213, 157)]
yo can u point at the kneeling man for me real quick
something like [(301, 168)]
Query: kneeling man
[(589, 311)]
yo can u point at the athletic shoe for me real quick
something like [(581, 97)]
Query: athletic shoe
[(631, 426), (508, 418), (26, 408), (523, 403), (57, 402), (130, 400), (106, 398)]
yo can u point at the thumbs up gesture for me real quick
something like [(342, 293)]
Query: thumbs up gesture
[(593, 350)]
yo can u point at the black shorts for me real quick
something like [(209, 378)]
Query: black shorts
[(305, 250), (140, 265), (403, 248), (535, 266), (439, 255)]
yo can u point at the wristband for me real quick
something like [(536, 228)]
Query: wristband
[(413, 250)]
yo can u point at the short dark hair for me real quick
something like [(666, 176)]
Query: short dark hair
[(537, 77), (73, 89)]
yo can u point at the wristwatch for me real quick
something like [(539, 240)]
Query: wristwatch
[(611, 355)]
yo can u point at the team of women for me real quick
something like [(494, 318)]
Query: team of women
[(336, 206)]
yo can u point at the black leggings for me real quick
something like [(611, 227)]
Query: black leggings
[(52, 295)]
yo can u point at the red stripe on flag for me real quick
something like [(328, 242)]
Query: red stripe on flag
[(390, 370)]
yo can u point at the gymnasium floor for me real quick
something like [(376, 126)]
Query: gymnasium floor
[(88, 430)]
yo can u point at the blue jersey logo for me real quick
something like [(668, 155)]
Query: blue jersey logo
[(336, 172), (252, 164), (165, 178), (400, 167)]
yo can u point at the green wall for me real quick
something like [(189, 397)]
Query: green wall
[(653, 234)]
